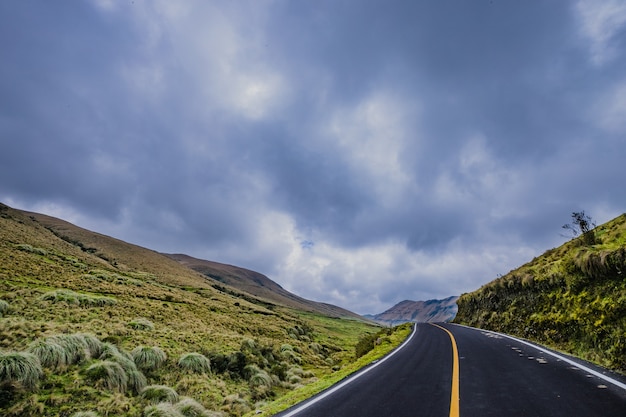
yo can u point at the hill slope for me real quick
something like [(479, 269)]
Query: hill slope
[(259, 285), (418, 312), (75, 304), (572, 297)]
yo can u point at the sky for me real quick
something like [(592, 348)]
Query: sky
[(357, 152)]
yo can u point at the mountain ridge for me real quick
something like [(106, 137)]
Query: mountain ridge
[(258, 285), (408, 311)]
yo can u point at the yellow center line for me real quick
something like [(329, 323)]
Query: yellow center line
[(454, 396)]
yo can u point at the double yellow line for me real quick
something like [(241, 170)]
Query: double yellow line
[(454, 396)]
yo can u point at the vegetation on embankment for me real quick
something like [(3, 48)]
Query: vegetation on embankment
[(93, 325), (572, 298)]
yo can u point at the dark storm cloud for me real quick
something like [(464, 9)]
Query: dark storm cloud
[(357, 152)]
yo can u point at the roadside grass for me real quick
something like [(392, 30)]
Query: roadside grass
[(399, 334)]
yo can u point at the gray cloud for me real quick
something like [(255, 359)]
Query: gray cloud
[(358, 153)]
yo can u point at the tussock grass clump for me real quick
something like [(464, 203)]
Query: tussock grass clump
[(77, 348), (74, 298), (161, 410), (31, 249), (260, 379), (148, 358), (195, 362), (22, 367), (50, 353), (4, 308), (159, 394), (189, 407), (85, 414), (141, 323), (108, 373), (136, 380)]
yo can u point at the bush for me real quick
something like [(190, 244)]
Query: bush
[(195, 362), (159, 394), (4, 308), (161, 410), (110, 373), (22, 367), (148, 358)]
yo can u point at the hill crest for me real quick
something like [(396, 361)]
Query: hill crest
[(418, 312)]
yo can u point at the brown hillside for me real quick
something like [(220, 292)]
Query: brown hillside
[(259, 285)]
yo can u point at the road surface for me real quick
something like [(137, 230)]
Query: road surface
[(445, 370)]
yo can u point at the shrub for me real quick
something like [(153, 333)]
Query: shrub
[(4, 308), (148, 358), (110, 373), (141, 323), (50, 353), (161, 410), (189, 407), (159, 394), (195, 362), (22, 367)]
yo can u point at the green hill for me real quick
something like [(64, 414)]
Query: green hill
[(572, 298), (90, 323)]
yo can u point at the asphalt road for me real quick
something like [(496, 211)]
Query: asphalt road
[(447, 370)]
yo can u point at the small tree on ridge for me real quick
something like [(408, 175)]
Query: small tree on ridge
[(584, 225)]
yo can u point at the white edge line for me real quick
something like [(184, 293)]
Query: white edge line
[(351, 379), (556, 355)]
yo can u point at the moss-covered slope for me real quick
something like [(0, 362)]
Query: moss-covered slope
[(572, 298)]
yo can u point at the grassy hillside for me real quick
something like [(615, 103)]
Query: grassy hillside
[(259, 285), (90, 323), (572, 297)]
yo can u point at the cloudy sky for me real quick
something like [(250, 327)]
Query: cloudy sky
[(357, 152)]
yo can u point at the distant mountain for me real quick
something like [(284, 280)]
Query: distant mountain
[(418, 311), (258, 285)]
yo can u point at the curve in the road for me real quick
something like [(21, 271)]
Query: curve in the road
[(339, 386), (454, 392)]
